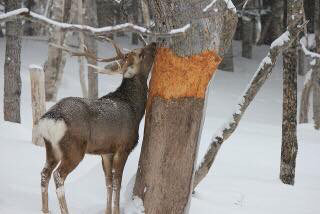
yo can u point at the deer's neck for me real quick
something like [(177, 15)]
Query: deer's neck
[(134, 91)]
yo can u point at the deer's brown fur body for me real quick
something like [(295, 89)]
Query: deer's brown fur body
[(107, 126)]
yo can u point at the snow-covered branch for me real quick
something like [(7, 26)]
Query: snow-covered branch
[(311, 54), (229, 3), (263, 72), (25, 13), (307, 85)]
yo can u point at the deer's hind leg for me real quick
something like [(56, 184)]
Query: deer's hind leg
[(72, 154), (119, 161), (107, 160), (51, 163)]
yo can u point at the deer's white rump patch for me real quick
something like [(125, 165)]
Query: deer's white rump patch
[(53, 131)]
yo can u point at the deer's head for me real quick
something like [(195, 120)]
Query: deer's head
[(128, 64)]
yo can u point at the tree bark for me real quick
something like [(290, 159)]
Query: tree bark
[(76, 16), (301, 59), (1, 33), (56, 57), (90, 18), (304, 100), (289, 107), (108, 14), (182, 69), (316, 72), (227, 62), (38, 100), (277, 9), (248, 30), (12, 79), (145, 13), (247, 36), (27, 26), (135, 14)]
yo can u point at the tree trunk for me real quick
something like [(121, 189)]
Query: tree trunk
[(248, 30), (181, 72), (145, 13), (56, 57), (107, 13), (90, 18), (27, 26), (136, 19), (1, 33), (301, 58), (38, 100), (227, 62), (12, 79), (304, 100), (289, 119), (277, 8), (77, 40), (247, 36), (316, 72)]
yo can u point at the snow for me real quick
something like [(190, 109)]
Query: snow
[(307, 52), (33, 66), (311, 41), (180, 30), (209, 6), (132, 204), (229, 3), (307, 77), (13, 13), (243, 180), (265, 61), (281, 40)]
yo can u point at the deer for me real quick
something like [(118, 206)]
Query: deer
[(107, 126)]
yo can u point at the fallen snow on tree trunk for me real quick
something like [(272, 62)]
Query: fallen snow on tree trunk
[(281, 40), (229, 3)]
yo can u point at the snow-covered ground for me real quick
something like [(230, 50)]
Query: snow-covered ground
[(244, 178)]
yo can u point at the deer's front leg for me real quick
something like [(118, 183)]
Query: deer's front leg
[(119, 160), (107, 168)]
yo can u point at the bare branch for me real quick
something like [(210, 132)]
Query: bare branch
[(263, 72), (25, 13), (87, 54), (142, 39), (116, 47)]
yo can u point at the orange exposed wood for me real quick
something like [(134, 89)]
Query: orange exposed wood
[(176, 77)]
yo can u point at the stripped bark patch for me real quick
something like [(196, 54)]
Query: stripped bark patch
[(176, 77)]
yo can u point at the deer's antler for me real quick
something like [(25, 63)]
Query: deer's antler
[(89, 54)]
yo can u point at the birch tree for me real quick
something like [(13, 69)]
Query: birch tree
[(56, 58), (90, 18), (182, 70), (12, 79)]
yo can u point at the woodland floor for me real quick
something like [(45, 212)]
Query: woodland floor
[(244, 178)]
